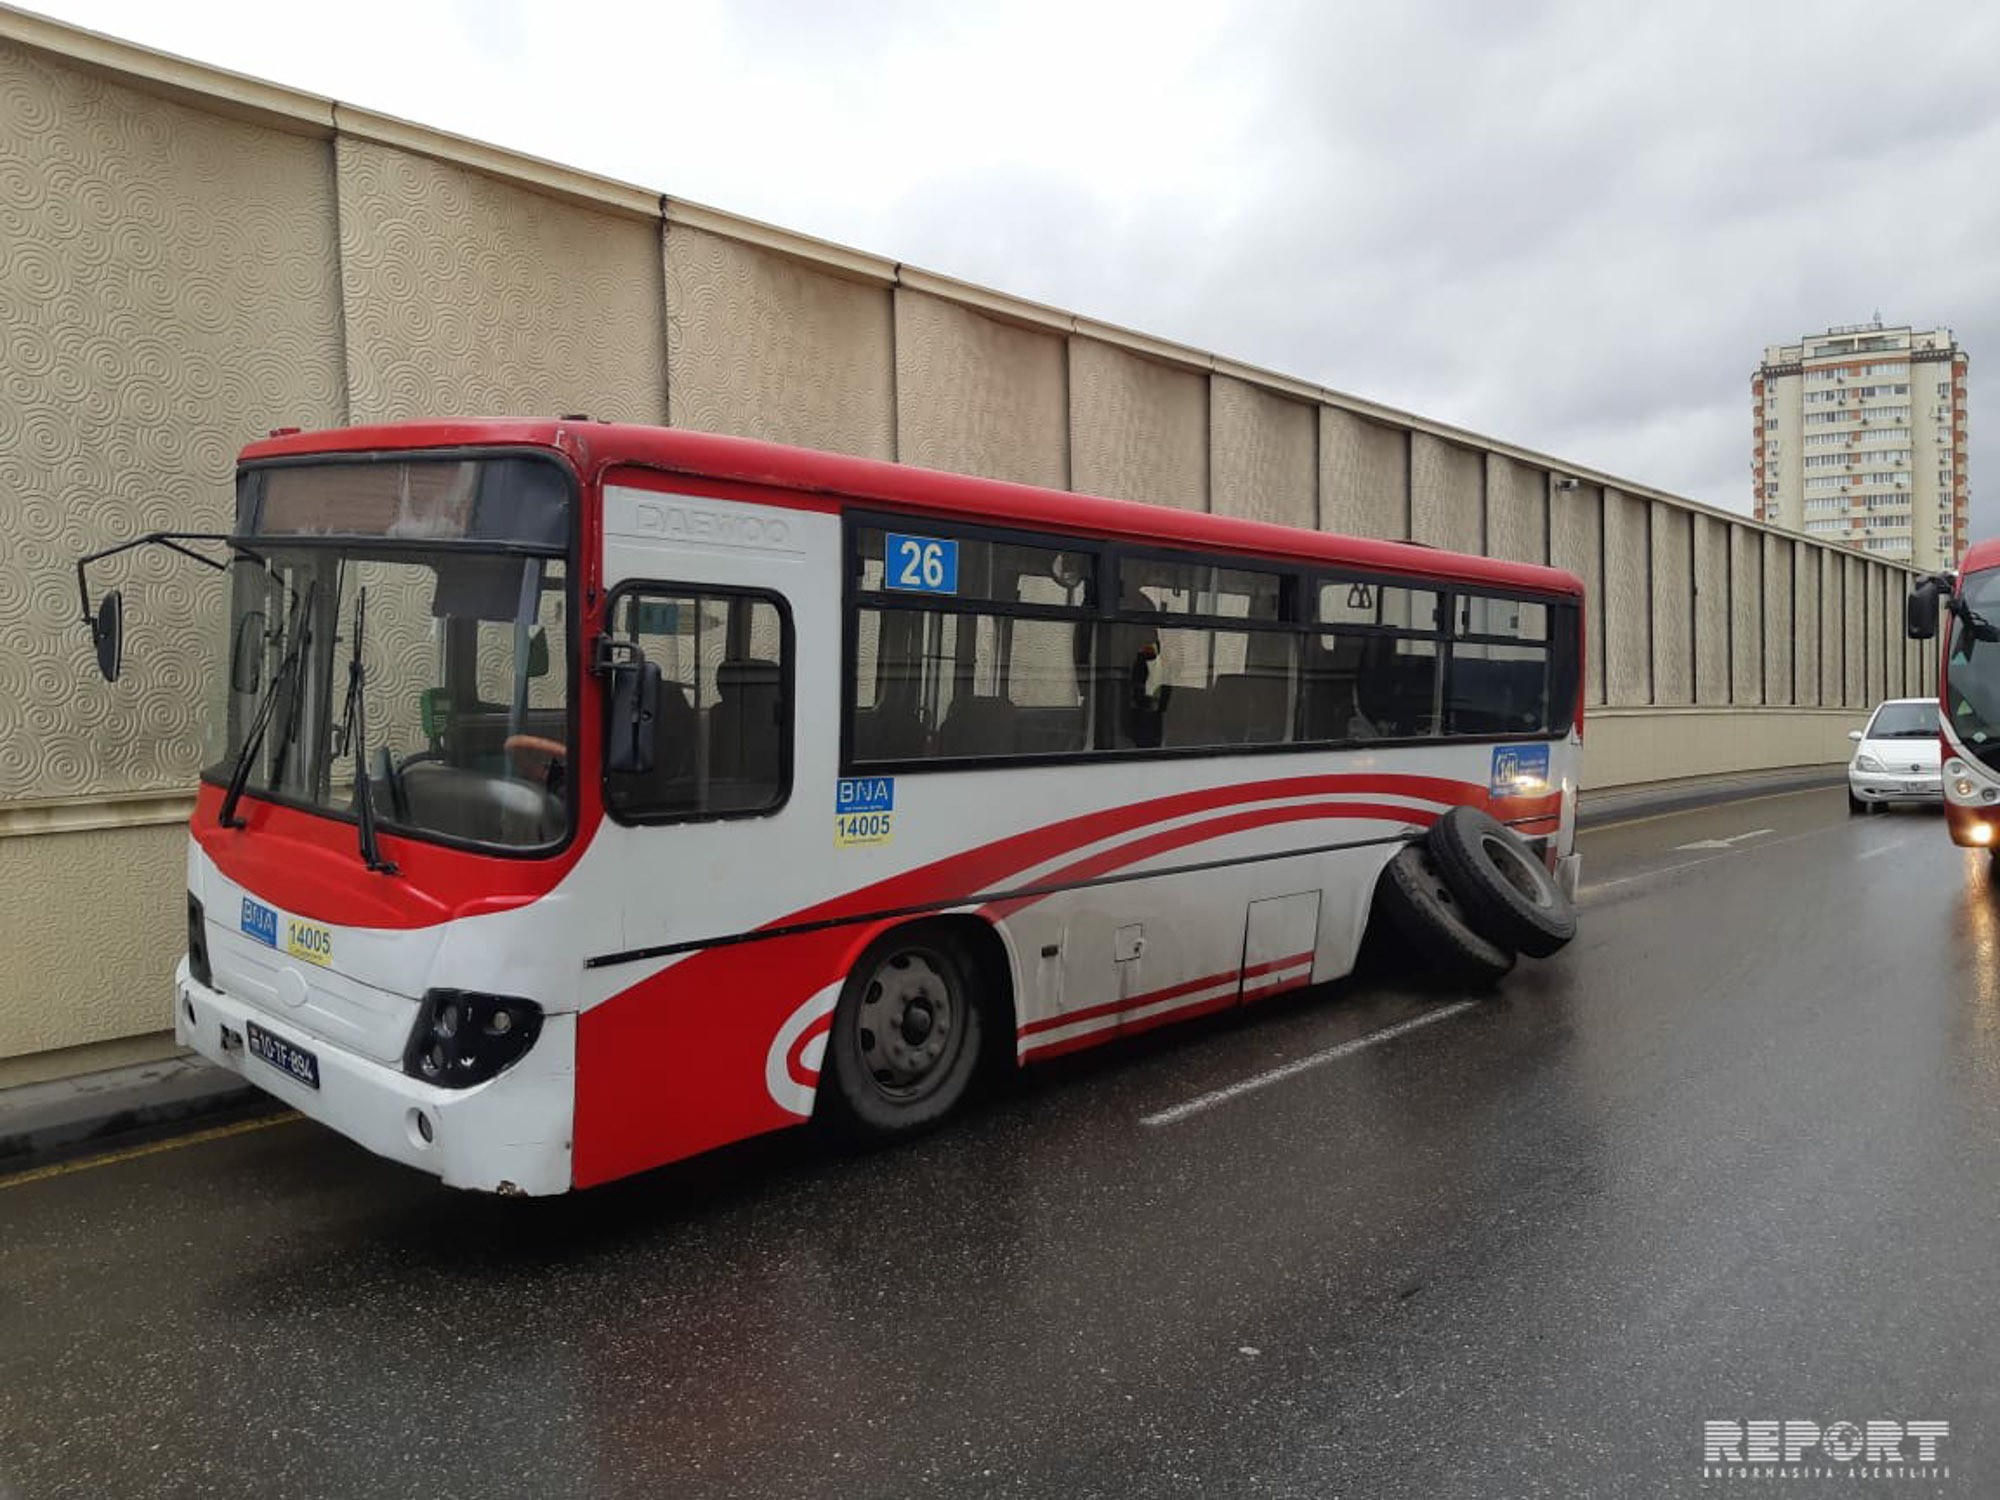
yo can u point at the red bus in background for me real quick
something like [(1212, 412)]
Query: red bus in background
[(1968, 689)]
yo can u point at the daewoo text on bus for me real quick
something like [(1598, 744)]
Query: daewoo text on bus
[(582, 797)]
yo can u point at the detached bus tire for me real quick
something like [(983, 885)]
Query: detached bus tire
[(1507, 894), (906, 1037), (1413, 894)]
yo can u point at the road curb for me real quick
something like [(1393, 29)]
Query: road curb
[(1616, 805), (43, 1123)]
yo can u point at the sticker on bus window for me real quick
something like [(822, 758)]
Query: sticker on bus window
[(864, 810), (920, 564), (1520, 770)]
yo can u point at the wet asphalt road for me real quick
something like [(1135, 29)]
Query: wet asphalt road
[(1734, 1154)]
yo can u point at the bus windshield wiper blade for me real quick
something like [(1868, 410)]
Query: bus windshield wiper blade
[(253, 738), (1977, 628), (354, 731)]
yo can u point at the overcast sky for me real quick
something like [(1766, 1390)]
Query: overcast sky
[(1574, 224)]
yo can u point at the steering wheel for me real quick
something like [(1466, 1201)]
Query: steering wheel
[(554, 753)]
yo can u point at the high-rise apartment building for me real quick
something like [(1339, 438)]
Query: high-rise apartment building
[(1860, 438)]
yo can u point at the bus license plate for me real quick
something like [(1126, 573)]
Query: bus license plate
[(294, 1062)]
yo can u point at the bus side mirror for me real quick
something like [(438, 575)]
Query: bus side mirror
[(107, 635), (635, 710), (1921, 622)]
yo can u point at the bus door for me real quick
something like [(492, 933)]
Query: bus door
[(735, 603)]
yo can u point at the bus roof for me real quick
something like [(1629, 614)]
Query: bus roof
[(1981, 556), (596, 446)]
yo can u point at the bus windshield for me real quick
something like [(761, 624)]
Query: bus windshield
[(1972, 670), (460, 694)]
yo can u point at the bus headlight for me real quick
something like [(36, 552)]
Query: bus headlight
[(463, 1037)]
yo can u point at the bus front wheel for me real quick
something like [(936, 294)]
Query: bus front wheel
[(906, 1038)]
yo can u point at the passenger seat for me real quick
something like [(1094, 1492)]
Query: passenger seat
[(979, 725)]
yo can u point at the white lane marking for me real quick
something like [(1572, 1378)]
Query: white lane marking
[(1729, 843), (1590, 892), (1587, 892), (1682, 812), (1292, 1069), (1885, 848)]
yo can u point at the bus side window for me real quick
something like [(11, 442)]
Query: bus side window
[(722, 740), (1499, 673)]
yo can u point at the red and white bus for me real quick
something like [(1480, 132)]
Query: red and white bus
[(582, 797), (1968, 690)]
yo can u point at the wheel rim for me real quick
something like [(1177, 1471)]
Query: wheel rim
[(1517, 869), (909, 1025)]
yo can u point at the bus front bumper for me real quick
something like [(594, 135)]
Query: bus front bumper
[(1569, 873), (508, 1135)]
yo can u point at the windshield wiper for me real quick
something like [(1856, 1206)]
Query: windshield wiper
[(253, 738), (354, 730), (1977, 627)]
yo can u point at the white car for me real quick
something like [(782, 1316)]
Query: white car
[(1896, 756)]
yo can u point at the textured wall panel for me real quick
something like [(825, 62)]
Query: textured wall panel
[(1640, 745), (978, 396), (764, 346), (1854, 578), (1364, 482), (1876, 682), (1888, 644), (167, 293), (1832, 630), (1778, 643), (1516, 510), (1673, 614), (124, 887), (469, 296), (1901, 648), (1807, 636), (1138, 430), (1627, 648), (1578, 516), (1265, 454), (1746, 597), (1711, 617), (1447, 493)]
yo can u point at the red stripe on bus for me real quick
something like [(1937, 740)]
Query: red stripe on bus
[(1105, 1034), (1157, 997), (1276, 985), (1154, 997), (663, 1072), (1108, 860)]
